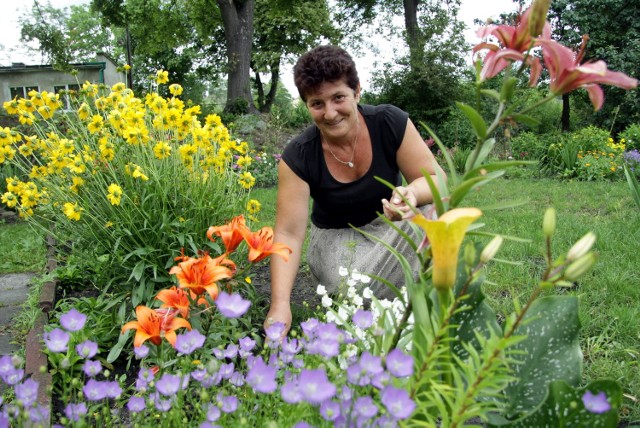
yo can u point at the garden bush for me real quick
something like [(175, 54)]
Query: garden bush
[(127, 182), (630, 137)]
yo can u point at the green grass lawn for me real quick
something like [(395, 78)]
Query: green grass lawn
[(23, 249), (609, 294)]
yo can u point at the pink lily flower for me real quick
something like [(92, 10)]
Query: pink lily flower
[(568, 74), (516, 41)]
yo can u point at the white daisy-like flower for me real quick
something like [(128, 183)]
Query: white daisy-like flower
[(342, 315), (321, 290), (342, 271), (365, 279), (327, 301), (357, 300), (367, 293), (330, 317), (356, 275), (351, 282), (351, 292)]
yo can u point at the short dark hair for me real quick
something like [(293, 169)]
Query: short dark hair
[(321, 64)]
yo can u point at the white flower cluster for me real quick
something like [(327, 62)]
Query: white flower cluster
[(385, 312)]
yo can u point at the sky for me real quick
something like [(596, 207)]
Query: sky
[(12, 51)]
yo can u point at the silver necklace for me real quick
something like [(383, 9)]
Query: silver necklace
[(353, 152)]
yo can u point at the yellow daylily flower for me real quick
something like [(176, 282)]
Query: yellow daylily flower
[(445, 237)]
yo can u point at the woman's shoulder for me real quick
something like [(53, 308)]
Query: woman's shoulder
[(384, 112)]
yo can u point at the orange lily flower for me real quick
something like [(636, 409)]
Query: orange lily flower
[(154, 324), (231, 234), (568, 74), (261, 245), (516, 41), (177, 298), (201, 274), (445, 236)]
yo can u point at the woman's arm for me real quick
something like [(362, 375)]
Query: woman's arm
[(292, 213), (414, 159)]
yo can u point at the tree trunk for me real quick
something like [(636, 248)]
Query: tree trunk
[(414, 35), (237, 18), (566, 113)]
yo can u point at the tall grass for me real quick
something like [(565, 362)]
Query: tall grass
[(609, 295)]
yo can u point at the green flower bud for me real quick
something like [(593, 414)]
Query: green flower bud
[(582, 247), (469, 254), (65, 363), (17, 361), (204, 395), (489, 252), (538, 17), (578, 268), (549, 222)]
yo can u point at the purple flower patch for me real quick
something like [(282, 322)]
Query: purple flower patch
[(397, 402), (315, 387), (399, 364), (87, 349), (27, 392), (363, 319), (73, 320), (57, 340), (136, 404), (232, 305), (262, 377), (188, 342), (75, 411), (596, 403)]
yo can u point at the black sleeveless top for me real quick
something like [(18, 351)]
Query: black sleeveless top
[(336, 204)]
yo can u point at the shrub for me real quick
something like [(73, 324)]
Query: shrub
[(129, 182), (631, 137), (528, 146), (590, 138)]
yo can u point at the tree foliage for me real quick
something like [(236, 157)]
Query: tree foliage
[(613, 31), (424, 79)]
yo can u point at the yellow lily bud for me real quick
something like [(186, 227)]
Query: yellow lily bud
[(578, 268), (582, 247), (549, 222), (489, 252), (445, 237)]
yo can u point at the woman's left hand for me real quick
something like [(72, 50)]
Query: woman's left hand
[(397, 208)]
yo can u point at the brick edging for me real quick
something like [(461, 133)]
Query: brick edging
[(36, 362)]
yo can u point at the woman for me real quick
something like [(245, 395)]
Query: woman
[(335, 162)]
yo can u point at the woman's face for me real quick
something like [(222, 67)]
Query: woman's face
[(334, 108)]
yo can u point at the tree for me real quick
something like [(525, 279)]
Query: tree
[(65, 36), (613, 36), (425, 82), (237, 19), (284, 29)]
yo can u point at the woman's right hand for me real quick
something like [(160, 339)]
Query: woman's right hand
[(279, 313)]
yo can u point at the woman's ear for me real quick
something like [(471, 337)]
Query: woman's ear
[(357, 93)]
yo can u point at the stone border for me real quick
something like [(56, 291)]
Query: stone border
[(35, 357)]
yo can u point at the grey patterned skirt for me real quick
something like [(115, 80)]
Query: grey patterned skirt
[(330, 249)]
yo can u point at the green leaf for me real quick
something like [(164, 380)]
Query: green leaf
[(550, 352), (508, 88), (117, 348), (477, 317), (453, 175), (492, 93), (634, 186), (494, 166), (477, 122), (564, 407), (138, 270), (458, 194), (527, 120), (485, 149)]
